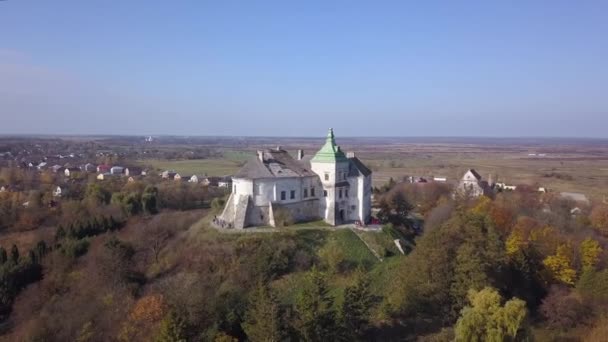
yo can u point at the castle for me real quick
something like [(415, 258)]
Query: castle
[(330, 185)]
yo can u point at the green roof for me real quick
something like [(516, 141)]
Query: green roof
[(330, 152)]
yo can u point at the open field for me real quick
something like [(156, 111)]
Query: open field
[(210, 167), (574, 165)]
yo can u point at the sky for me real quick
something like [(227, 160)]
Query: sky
[(296, 68)]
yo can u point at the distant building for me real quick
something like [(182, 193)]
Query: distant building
[(177, 177), (134, 171), (575, 196), (71, 171), (57, 168), (103, 168), (104, 176), (57, 192), (168, 174), (473, 185), (117, 170), (210, 181), (89, 168), (225, 182), (440, 179), (193, 179)]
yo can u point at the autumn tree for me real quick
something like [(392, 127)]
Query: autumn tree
[(599, 218), (487, 319), (172, 329), (590, 251), (560, 265), (562, 308)]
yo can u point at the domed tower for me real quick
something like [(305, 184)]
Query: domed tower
[(332, 165)]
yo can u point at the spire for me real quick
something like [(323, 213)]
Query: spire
[(330, 136), (330, 152)]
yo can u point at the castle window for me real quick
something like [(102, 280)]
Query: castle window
[(324, 193), (283, 195), (340, 193), (312, 192), (326, 176), (305, 193), (292, 195), (346, 193)]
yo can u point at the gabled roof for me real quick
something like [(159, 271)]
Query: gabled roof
[(273, 163), (475, 174), (357, 165)]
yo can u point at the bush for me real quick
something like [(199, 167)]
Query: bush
[(73, 248)]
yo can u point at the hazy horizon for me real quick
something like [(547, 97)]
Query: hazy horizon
[(275, 69)]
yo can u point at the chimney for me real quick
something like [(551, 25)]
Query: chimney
[(300, 154), (350, 154), (261, 155)]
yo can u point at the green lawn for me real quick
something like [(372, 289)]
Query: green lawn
[(211, 167)]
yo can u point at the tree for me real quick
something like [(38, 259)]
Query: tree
[(172, 329), (562, 308), (314, 307), (263, 318), (149, 200), (599, 218), (357, 304), (3, 256), (560, 265), (469, 273), (590, 253), (487, 320), (15, 254)]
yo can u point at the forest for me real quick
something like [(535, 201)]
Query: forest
[(140, 262)]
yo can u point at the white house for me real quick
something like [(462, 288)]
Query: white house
[(473, 185), (193, 179), (117, 170), (57, 192), (225, 182), (71, 171), (330, 185)]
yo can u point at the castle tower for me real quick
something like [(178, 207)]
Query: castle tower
[(332, 165)]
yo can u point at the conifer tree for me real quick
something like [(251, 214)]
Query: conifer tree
[(314, 306), (3, 256), (15, 254), (263, 319), (357, 304)]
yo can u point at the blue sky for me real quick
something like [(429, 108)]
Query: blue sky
[(287, 68)]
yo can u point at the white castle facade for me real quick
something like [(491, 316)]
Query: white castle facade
[(329, 185)]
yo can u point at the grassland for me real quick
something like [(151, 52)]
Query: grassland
[(210, 167)]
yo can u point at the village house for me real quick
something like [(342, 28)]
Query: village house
[(168, 174), (103, 168), (57, 192), (117, 170), (210, 181), (71, 171), (134, 171), (330, 185), (225, 182), (57, 168), (89, 168), (104, 176), (193, 179), (473, 185)]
